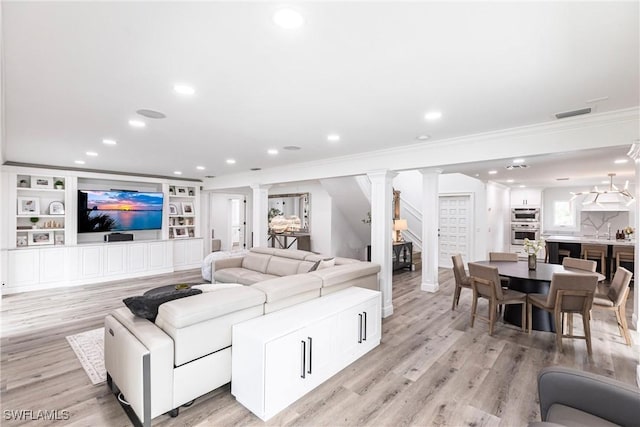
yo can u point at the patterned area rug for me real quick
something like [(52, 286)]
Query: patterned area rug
[(89, 348)]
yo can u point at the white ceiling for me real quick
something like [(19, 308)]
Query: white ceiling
[(76, 72)]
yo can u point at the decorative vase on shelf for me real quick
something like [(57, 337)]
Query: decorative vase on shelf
[(533, 261)]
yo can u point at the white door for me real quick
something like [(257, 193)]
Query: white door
[(455, 228)]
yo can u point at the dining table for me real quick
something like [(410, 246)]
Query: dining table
[(537, 281)]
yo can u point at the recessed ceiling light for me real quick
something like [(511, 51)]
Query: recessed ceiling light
[(518, 161), (177, 173), (184, 89), (137, 123), (109, 142), (91, 153), (288, 19), (79, 162), (510, 180), (291, 147), (433, 115), (493, 172), (151, 114), (333, 137), (620, 161), (272, 151), (230, 161), (423, 137), (604, 182), (562, 179), (200, 168), (522, 186)]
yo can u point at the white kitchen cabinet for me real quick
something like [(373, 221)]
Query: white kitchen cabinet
[(91, 265), (526, 197), (279, 357), (160, 255), (137, 257), (25, 267), (53, 265), (187, 253), (115, 259)]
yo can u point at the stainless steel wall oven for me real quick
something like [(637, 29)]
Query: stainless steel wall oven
[(525, 215), (521, 231)]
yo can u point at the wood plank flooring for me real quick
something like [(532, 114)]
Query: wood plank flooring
[(431, 368)]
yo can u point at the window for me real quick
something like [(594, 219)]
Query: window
[(563, 215)]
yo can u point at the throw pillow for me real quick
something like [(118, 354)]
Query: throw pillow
[(327, 263), (315, 265), (146, 306)]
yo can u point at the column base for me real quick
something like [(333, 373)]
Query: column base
[(387, 310), (430, 287)]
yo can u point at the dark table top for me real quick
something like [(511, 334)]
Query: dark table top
[(543, 271)]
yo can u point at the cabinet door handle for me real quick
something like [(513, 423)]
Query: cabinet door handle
[(359, 328), (304, 358), (310, 353), (364, 338)]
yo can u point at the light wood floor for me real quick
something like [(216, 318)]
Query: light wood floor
[(431, 368)]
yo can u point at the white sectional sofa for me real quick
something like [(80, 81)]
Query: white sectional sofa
[(162, 365)]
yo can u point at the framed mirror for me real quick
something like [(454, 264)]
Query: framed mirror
[(291, 206)]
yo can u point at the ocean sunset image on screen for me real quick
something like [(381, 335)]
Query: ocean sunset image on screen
[(100, 211)]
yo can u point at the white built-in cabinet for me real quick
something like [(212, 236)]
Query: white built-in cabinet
[(40, 246), (187, 253), (279, 357), (526, 197)]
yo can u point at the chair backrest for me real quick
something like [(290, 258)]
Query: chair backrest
[(626, 252), (580, 264), (619, 286), (503, 256), (458, 271), (488, 273), (571, 282)]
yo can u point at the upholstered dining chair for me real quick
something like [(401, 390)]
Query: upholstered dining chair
[(569, 293), (503, 256), (616, 299), (461, 278), (621, 254), (596, 253), (485, 283), (580, 264)]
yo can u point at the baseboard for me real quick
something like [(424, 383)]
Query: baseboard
[(430, 287)]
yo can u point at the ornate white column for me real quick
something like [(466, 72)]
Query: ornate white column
[(430, 220), (260, 213), (381, 231), (634, 153)]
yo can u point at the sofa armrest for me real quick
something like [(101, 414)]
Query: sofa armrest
[(597, 395), (222, 263)]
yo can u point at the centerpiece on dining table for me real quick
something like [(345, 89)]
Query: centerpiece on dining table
[(531, 248)]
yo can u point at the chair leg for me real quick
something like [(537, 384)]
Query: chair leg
[(587, 330), (524, 317), (622, 323), (492, 316), (570, 323), (559, 324), (474, 307), (529, 316), (456, 297)]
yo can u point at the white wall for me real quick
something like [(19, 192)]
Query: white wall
[(498, 218), (219, 220)]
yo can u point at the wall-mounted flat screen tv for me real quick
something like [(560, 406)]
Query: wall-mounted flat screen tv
[(103, 211)]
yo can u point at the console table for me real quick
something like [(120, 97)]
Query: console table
[(402, 255), (286, 240)]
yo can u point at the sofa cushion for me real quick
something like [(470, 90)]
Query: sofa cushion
[(570, 417), (282, 266), (283, 287), (208, 305), (146, 306), (262, 250), (326, 263), (304, 267), (240, 275), (256, 262), (343, 273), (292, 253)]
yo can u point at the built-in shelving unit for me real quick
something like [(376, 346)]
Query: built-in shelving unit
[(182, 212), (40, 210)]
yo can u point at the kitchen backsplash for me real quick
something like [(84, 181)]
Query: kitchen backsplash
[(590, 222)]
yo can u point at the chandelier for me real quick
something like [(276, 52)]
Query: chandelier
[(611, 195)]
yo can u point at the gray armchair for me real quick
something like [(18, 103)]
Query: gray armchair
[(570, 397)]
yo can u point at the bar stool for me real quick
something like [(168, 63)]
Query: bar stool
[(562, 253), (622, 254), (596, 253)]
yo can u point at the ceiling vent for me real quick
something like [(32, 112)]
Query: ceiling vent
[(517, 166), (573, 113), (151, 114)]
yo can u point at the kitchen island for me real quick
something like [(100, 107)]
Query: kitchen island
[(574, 244)]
